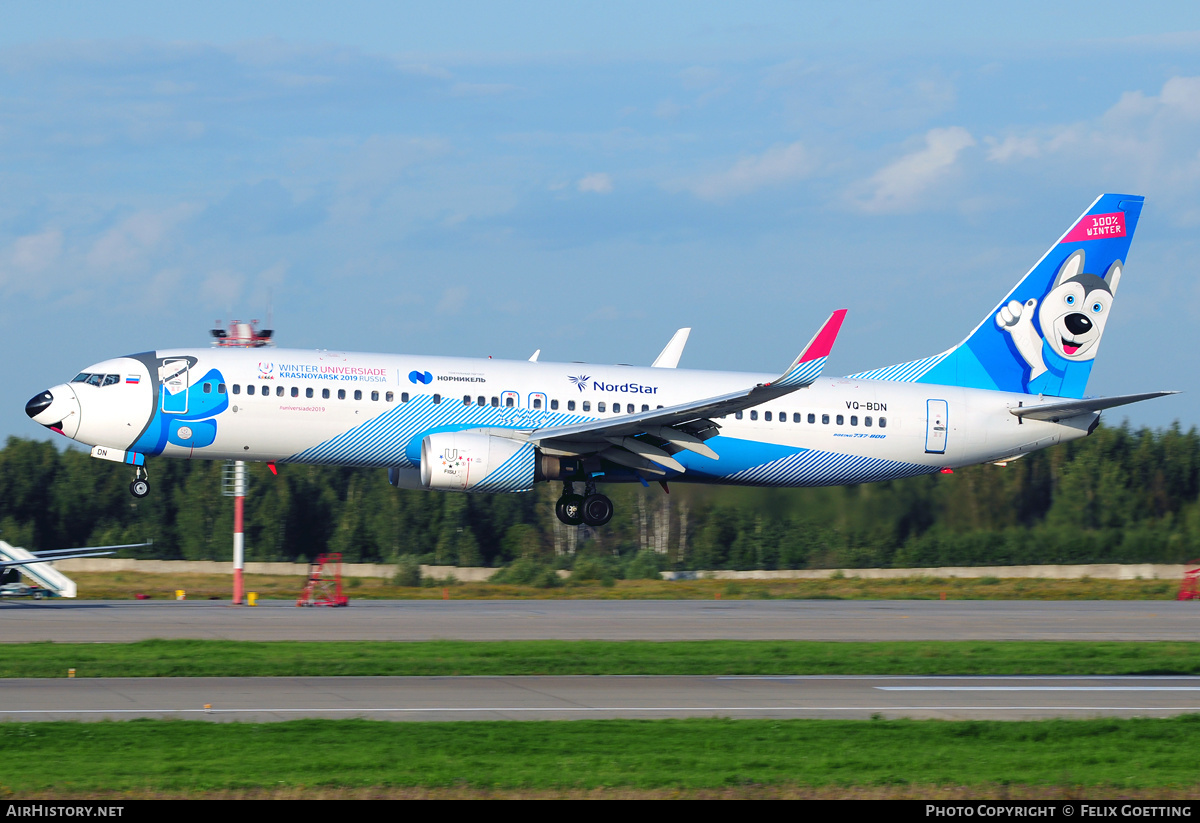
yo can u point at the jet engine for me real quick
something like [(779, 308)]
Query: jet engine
[(475, 462)]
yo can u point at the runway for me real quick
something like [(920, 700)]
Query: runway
[(573, 698), (124, 621)]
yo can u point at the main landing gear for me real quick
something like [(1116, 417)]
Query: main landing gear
[(591, 508), (140, 487)]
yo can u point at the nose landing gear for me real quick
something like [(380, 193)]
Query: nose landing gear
[(140, 487)]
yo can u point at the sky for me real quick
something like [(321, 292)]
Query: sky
[(489, 179)]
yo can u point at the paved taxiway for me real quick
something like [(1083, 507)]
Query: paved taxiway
[(572, 698), (123, 621)]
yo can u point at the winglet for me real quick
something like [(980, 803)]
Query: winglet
[(668, 358), (807, 367)]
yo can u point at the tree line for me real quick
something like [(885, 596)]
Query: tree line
[(1119, 496)]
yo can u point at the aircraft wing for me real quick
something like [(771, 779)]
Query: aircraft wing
[(633, 439), (1064, 409)]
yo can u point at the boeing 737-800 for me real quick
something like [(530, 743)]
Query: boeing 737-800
[(1015, 384)]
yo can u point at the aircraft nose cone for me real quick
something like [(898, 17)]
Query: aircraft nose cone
[(39, 404)]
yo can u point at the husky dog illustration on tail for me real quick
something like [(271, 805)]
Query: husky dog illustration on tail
[(1070, 322)]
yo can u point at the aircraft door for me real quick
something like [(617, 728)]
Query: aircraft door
[(174, 378), (936, 426)]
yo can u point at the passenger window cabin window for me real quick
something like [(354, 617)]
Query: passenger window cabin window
[(570, 405), (854, 420), (737, 415), (509, 403), (295, 391), (841, 420), (375, 396), (797, 417), (207, 387), (645, 407), (279, 391), (466, 399), (237, 388), (481, 400), (587, 405), (867, 422), (250, 389), (390, 397), (537, 402), (358, 394), (220, 388), (404, 397), (767, 416), (883, 422), (812, 418), (658, 407), (437, 398), (601, 406), (308, 393), (754, 414), (324, 394), (825, 419), (783, 417), (553, 405), (341, 394)]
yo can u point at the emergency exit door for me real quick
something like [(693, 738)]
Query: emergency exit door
[(937, 413)]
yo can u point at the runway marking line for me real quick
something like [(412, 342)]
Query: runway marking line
[(478, 710), (1038, 688)]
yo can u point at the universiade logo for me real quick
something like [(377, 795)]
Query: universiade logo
[(420, 377)]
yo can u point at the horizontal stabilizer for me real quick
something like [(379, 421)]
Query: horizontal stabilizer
[(1073, 408)]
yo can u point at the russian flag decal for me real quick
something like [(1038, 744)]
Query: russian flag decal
[(133, 378)]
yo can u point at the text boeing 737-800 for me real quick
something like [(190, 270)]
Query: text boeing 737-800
[(1015, 384)]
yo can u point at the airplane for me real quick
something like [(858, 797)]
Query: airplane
[(1015, 384)]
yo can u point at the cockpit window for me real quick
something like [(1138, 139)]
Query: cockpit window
[(97, 379)]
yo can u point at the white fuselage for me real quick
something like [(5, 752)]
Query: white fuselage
[(338, 408)]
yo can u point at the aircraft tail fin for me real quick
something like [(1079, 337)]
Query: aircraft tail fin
[(1042, 338)]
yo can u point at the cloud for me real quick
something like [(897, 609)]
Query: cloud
[(453, 300), (1011, 148), (135, 238), (777, 165), (898, 186), (1143, 141), (36, 252), (598, 183)]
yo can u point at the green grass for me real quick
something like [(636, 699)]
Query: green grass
[(70, 759), (206, 658), (127, 585)]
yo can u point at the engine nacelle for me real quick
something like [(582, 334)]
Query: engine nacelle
[(474, 462), (405, 478)]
